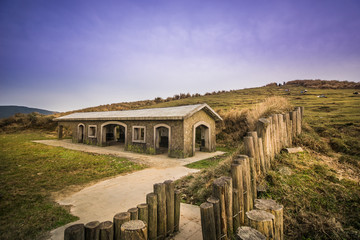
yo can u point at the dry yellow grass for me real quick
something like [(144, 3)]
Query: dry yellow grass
[(239, 121)]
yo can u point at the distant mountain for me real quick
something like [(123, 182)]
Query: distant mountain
[(8, 111)]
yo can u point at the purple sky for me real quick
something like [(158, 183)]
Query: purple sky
[(64, 55)]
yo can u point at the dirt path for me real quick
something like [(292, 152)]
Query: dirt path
[(157, 161), (104, 199)]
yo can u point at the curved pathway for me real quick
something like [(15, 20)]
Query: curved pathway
[(104, 199)]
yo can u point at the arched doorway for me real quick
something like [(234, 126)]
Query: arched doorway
[(113, 133), (201, 137), (81, 133), (162, 136)]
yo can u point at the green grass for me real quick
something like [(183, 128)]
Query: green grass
[(213, 161), (317, 204), (30, 172)]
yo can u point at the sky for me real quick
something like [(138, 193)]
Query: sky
[(64, 55)]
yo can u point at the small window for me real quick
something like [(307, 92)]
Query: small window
[(92, 131), (138, 134)]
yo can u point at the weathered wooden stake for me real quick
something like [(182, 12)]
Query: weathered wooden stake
[(207, 221), (92, 230), (262, 221), (106, 230), (255, 139), (134, 213), (170, 209), (177, 196), (159, 190), (276, 133), (229, 204), (143, 212), (151, 200), (119, 219), (237, 178), (253, 178), (262, 157), (75, 232), (276, 209), (219, 193), (288, 129), (134, 230), (248, 202), (216, 206), (299, 120), (263, 131), (294, 122), (281, 127), (236, 210), (249, 146), (302, 109)]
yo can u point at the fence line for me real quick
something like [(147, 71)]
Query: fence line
[(156, 219), (265, 217)]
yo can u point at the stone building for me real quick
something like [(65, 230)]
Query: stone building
[(179, 131)]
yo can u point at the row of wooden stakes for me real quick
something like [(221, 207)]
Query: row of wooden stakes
[(157, 219), (234, 205)]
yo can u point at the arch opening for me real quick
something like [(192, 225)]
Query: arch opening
[(162, 137), (113, 133), (81, 133), (201, 137)]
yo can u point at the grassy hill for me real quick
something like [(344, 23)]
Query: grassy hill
[(321, 195), (8, 111)]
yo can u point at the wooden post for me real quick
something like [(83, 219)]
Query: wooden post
[(280, 136), (237, 178), (75, 232), (248, 233), (177, 196), (207, 221), (276, 209), (302, 109), (219, 193), (92, 230), (248, 202), (263, 130), (294, 122), (151, 200), (134, 230), (119, 219), (134, 213), (216, 206), (236, 210), (299, 121), (143, 212), (288, 129), (159, 190), (249, 146), (272, 141), (262, 157), (253, 178), (229, 204), (106, 230), (170, 210), (276, 135), (262, 221), (254, 135)]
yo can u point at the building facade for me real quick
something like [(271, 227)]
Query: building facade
[(178, 131)]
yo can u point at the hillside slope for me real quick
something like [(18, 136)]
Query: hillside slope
[(8, 111)]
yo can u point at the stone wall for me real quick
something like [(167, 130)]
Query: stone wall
[(181, 134), (189, 123)]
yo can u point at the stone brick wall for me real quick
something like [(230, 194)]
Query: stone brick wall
[(181, 134), (189, 123)]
